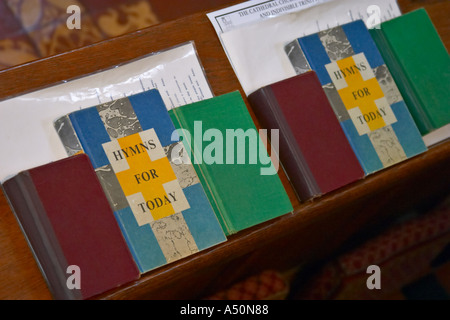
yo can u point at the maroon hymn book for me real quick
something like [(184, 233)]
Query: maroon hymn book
[(68, 221), (313, 149)]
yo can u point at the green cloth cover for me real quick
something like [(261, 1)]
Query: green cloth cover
[(420, 65), (240, 195)]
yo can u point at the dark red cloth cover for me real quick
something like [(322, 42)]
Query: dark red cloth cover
[(314, 150), (68, 221)]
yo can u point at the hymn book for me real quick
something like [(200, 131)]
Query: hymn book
[(420, 65), (232, 161), (362, 93), (156, 196)]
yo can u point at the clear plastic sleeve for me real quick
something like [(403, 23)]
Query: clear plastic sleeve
[(26, 121)]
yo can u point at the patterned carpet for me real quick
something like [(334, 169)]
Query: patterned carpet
[(32, 29), (413, 257)]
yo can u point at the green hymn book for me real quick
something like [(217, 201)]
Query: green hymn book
[(232, 162), (420, 65)]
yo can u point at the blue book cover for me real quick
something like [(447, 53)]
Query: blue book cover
[(156, 195), (362, 93)]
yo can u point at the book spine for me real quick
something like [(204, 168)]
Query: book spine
[(297, 58), (67, 135), (31, 216), (267, 109), (81, 136), (409, 95)]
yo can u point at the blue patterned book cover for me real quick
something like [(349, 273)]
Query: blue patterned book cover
[(362, 93), (156, 195)]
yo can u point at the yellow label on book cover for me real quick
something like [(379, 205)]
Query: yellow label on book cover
[(146, 176), (361, 93)]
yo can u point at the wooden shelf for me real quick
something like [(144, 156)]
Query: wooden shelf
[(314, 230)]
